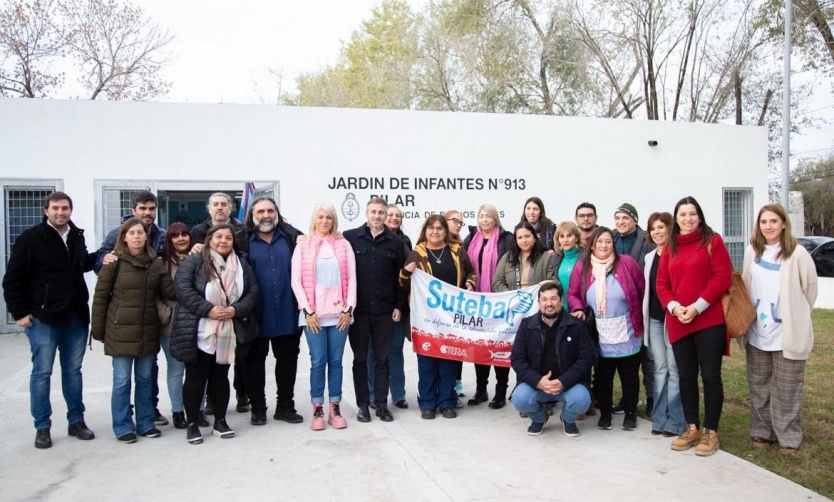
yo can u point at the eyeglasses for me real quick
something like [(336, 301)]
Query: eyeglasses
[(585, 215), (456, 221), (435, 229)]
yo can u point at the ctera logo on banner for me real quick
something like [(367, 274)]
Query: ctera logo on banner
[(454, 323)]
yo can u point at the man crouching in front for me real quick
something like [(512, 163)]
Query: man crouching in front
[(552, 356)]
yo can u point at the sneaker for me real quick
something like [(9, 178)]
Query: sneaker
[(158, 418), (619, 409), (336, 420), (536, 428), (287, 414), (428, 414), (128, 438), (153, 432), (43, 439), (449, 413), (222, 429), (570, 428), (604, 422), (81, 431), (459, 403), (630, 422), (688, 438), (708, 444), (179, 420), (459, 388), (318, 418), (193, 434), (202, 419)]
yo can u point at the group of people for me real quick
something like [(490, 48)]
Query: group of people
[(217, 296)]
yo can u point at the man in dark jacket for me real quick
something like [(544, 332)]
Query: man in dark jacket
[(268, 243), (144, 208), (219, 207), (552, 356), (380, 256), (630, 240), (45, 292)]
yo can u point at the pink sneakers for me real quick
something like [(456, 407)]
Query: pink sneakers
[(318, 418), (336, 420)]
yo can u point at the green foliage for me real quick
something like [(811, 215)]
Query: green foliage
[(815, 179)]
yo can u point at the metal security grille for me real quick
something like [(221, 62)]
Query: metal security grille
[(23, 209), (117, 203), (738, 222)]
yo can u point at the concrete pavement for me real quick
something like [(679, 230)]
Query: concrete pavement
[(481, 455)]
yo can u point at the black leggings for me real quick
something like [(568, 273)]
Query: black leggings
[(502, 378), (196, 376), (628, 368), (703, 349)]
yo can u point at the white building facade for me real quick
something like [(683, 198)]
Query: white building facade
[(100, 153)]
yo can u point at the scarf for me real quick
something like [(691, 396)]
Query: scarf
[(223, 291), (600, 269), (490, 260)]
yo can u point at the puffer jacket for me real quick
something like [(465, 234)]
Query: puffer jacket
[(128, 322), (190, 284)]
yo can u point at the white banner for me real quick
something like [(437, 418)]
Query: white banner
[(454, 323)]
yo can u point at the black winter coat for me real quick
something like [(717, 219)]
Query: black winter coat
[(44, 278), (378, 264), (190, 285), (128, 322), (574, 345)]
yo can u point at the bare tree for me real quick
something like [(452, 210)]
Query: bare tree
[(119, 50), (31, 37)]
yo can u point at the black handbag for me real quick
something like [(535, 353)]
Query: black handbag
[(247, 328), (591, 323)]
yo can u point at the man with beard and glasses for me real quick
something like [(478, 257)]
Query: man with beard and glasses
[(586, 219), (268, 242), (552, 356)]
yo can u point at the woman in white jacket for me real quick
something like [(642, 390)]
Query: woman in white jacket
[(667, 412), (782, 283)]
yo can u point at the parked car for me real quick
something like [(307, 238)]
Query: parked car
[(823, 257), (813, 242)]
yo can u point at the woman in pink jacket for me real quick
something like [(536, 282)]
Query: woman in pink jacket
[(324, 283), (612, 285)]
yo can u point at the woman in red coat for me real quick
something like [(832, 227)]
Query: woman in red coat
[(691, 279)]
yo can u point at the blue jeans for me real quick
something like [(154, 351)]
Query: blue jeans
[(120, 398), (530, 401), (396, 364), (326, 350), (435, 376), (667, 414), (44, 341), (176, 374)]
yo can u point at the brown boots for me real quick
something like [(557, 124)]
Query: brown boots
[(705, 443)]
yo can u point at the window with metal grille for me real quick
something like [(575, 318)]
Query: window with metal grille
[(23, 209), (738, 222), (117, 202)]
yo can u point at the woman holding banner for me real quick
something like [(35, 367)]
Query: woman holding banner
[(612, 285), (436, 255), (486, 244)]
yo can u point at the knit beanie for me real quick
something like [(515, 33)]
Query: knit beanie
[(627, 209)]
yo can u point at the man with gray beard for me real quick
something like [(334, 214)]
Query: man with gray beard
[(268, 242)]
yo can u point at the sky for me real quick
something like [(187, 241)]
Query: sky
[(223, 50)]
